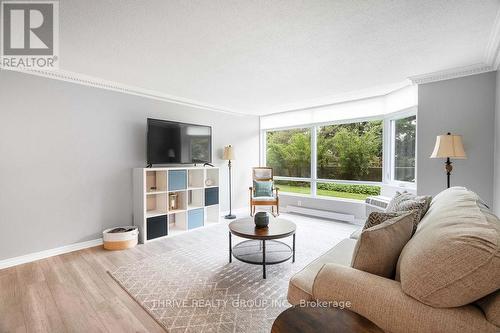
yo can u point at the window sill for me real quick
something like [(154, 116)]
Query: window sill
[(388, 190), (400, 186)]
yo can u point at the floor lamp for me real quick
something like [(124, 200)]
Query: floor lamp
[(228, 156), (449, 146)]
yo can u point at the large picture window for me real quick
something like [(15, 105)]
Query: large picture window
[(289, 152), (343, 160), (404, 148), (350, 151)]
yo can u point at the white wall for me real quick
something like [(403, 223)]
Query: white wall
[(67, 153), (463, 106), (496, 184)]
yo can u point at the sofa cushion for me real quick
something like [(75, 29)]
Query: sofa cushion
[(491, 307), (264, 198), (300, 285), (453, 259), (378, 248)]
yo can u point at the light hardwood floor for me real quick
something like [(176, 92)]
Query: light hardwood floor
[(73, 293)]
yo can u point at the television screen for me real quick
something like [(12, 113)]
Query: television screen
[(178, 143)]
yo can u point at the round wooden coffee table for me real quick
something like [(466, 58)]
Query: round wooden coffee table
[(262, 246), (299, 319)]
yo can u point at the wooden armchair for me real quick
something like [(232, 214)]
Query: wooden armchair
[(264, 174)]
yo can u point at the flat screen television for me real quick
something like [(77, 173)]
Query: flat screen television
[(171, 142)]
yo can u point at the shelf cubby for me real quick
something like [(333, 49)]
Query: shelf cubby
[(195, 199), (156, 181), (212, 177), (177, 223), (196, 218), (156, 204), (181, 201), (212, 214), (196, 178), (177, 180), (211, 196), (157, 227)]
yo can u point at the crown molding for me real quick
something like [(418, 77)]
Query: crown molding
[(491, 61), (492, 56), (95, 82), (451, 73)]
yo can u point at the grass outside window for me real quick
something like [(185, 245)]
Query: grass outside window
[(293, 186), (345, 191)]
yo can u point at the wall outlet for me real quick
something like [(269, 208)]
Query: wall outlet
[(299, 203)]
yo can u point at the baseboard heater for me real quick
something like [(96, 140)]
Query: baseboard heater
[(321, 213), (376, 204)]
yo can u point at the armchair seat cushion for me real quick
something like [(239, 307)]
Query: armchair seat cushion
[(263, 198), (300, 286), (383, 302)]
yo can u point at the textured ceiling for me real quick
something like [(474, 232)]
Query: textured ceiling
[(265, 56)]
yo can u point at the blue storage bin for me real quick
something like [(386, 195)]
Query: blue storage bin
[(195, 218), (156, 227), (177, 180), (211, 196)]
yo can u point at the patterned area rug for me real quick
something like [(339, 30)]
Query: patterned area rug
[(193, 288)]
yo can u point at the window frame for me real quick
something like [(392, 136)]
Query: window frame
[(392, 147), (388, 149)]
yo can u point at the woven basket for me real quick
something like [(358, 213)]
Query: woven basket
[(120, 240)]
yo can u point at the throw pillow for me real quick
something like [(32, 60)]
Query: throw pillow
[(376, 218), (378, 248), (263, 188), (399, 197), (403, 202), (421, 204)]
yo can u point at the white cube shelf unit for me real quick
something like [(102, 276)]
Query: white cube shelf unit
[(172, 200)]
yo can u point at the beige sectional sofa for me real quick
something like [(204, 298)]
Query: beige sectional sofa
[(447, 278)]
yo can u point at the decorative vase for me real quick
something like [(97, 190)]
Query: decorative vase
[(173, 201), (261, 220)]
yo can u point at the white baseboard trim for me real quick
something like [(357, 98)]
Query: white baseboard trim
[(48, 253)]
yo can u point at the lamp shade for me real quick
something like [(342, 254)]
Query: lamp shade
[(449, 145), (228, 153)]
